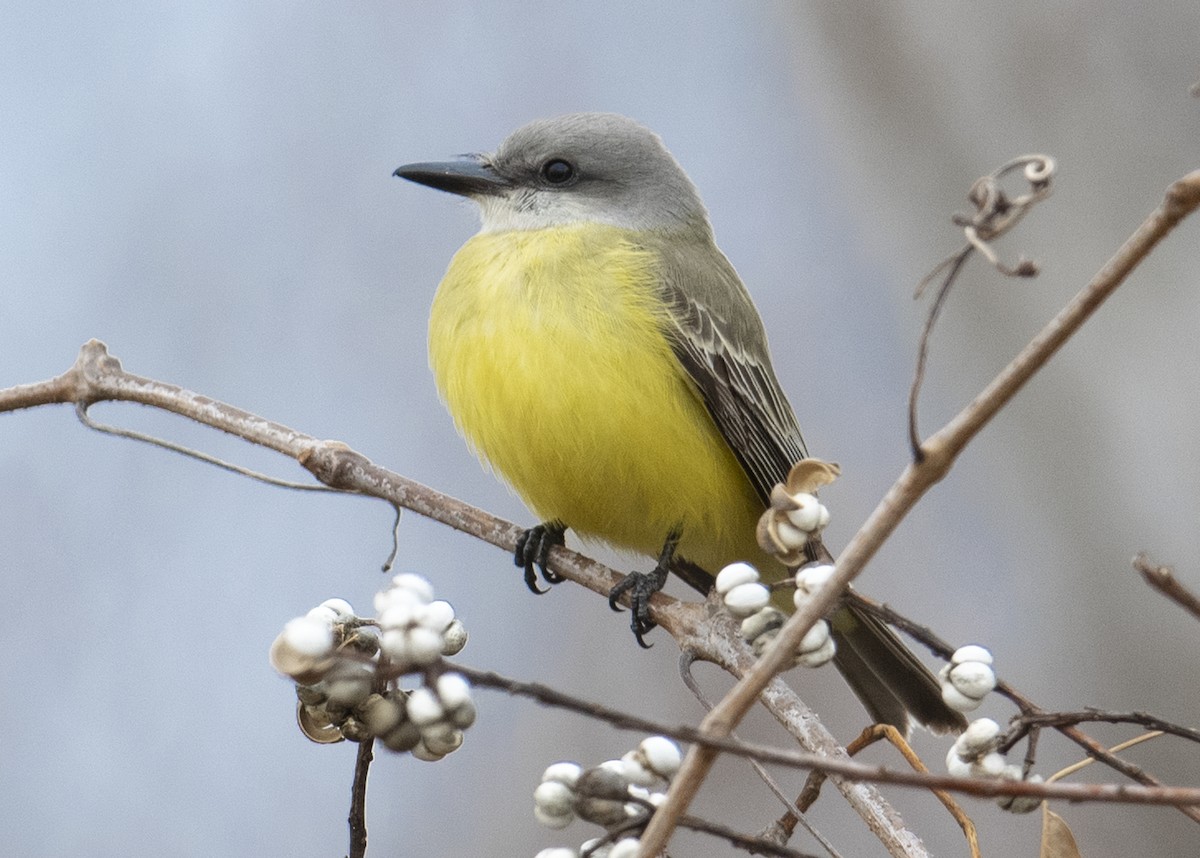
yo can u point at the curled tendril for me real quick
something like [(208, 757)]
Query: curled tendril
[(996, 212)]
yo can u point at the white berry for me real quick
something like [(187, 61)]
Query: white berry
[(820, 656), (958, 701), (735, 574), (453, 690), (454, 638), (308, 636), (813, 577), (971, 652), (415, 584), (340, 607), (980, 736), (564, 773), (554, 798), (746, 599), (662, 756), (626, 847), (436, 616), (973, 678), (424, 708), (807, 514), (789, 536)]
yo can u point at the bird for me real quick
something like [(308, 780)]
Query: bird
[(601, 355)]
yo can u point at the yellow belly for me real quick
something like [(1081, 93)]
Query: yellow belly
[(548, 350)]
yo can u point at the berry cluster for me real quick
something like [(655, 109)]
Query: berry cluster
[(619, 795), (348, 668), (746, 597)]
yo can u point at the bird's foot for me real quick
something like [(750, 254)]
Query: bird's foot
[(641, 586), (533, 552)]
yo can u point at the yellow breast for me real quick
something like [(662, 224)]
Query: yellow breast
[(548, 349)]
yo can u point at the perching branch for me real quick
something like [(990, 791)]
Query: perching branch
[(97, 376), (938, 454)]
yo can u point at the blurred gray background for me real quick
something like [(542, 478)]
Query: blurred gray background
[(207, 189)]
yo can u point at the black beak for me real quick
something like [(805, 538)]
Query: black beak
[(466, 178)]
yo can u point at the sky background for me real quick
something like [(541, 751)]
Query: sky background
[(207, 188)]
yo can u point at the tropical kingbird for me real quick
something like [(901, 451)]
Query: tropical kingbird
[(600, 353)]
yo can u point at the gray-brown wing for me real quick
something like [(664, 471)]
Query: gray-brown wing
[(718, 337)]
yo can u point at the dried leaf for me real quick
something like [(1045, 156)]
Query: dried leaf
[(316, 726), (1057, 839), (767, 533), (808, 475)]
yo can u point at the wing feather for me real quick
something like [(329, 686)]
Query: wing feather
[(718, 337)]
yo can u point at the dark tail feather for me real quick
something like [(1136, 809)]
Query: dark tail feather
[(883, 706), (890, 681)]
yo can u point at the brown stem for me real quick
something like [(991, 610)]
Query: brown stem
[(1162, 579), (358, 799)]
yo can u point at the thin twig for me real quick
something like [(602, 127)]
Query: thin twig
[(747, 842), (81, 411), (816, 778), (1083, 764), (391, 558), (841, 767), (750, 844), (887, 732), (1150, 721), (1162, 579), (793, 813), (954, 264), (995, 214), (358, 799)]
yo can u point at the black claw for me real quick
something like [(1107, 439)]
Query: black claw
[(624, 585), (533, 552), (641, 586)]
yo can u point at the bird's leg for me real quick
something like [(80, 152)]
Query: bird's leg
[(533, 550), (641, 586)]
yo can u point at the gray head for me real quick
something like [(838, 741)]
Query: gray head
[(584, 167)]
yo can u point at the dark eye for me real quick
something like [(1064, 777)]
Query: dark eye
[(557, 171)]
